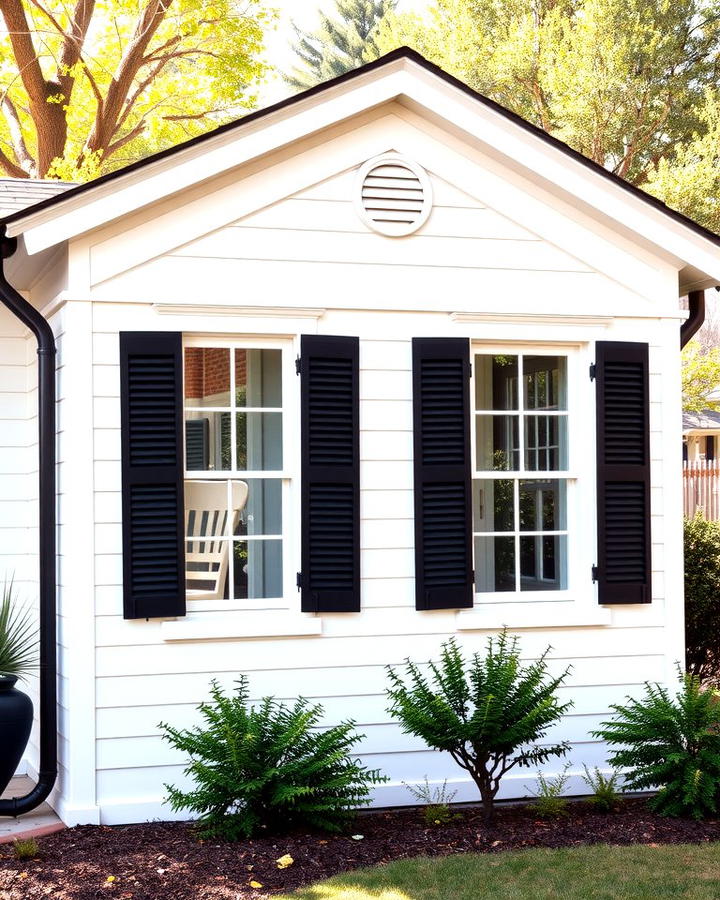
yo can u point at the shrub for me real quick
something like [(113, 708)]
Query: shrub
[(18, 636), (488, 714), (437, 802), (605, 796), (549, 802), (25, 848), (672, 744), (266, 767), (702, 598)]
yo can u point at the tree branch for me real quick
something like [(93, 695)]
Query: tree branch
[(16, 134), (11, 168), (134, 132)]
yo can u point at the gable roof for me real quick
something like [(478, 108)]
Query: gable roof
[(24, 220)]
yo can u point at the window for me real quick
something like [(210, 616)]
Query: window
[(520, 481), (235, 486)]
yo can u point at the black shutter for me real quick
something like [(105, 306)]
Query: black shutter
[(152, 474), (623, 473), (443, 508), (330, 439), (197, 445)]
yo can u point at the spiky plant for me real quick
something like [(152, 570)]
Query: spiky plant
[(670, 743), (489, 713), (18, 636), (268, 768)]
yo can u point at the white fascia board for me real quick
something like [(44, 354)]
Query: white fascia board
[(559, 173), (185, 168), (400, 79)]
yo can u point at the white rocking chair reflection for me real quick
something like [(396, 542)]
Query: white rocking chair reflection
[(206, 517)]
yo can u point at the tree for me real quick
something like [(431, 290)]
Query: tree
[(340, 43), (700, 377), (621, 81), (81, 83)]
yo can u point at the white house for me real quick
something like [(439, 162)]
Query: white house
[(483, 429)]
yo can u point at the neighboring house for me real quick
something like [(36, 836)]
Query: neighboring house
[(700, 435), (481, 432)]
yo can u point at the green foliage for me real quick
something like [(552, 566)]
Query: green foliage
[(268, 767), (18, 636), (25, 848), (549, 802), (606, 797), (488, 713), (630, 84), (437, 800), (702, 599), (340, 43), (700, 376), (672, 744)]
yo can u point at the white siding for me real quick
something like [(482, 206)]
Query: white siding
[(310, 254)]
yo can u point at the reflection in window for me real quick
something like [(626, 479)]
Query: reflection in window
[(233, 445), (520, 520)]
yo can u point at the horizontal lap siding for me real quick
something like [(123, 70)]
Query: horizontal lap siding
[(316, 242)]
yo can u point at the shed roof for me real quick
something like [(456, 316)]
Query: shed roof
[(401, 74), (707, 419)]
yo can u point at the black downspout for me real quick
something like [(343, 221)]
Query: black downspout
[(30, 317), (696, 305)]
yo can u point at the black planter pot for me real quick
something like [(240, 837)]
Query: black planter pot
[(16, 716)]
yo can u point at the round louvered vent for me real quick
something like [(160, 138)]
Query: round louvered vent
[(393, 195)]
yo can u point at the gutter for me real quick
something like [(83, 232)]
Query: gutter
[(40, 327), (693, 323)]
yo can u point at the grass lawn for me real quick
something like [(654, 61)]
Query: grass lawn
[(684, 870)]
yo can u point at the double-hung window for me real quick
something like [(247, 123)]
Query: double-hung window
[(236, 489), (521, 476)]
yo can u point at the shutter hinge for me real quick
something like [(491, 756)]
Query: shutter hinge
[(595, 574), (298, 581), (592, 371), (297, 365)]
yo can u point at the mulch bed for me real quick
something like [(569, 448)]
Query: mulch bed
[(166, 860)]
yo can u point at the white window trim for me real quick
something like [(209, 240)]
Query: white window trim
[(268, 617), (576, 605)]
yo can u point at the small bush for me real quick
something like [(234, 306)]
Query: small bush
[(606, 796), (672, 744), (488, 713), (702, 599), (549, 802), (437, 800), (265, 767), (25, 848)]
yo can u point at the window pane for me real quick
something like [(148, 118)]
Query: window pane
[(496, 382), (493, 505), (543, 563), (545, 443), (496, 443), (262, 511), (207, 376), (544, 382), (494, 564), (258, 378), (542, 505), (207, 441), (259, 441), (257, 569)]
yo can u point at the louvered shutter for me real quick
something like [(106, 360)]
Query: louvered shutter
[(443, 510), (152, 474), (623, 473), (330, 476)]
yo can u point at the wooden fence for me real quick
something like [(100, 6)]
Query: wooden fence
[(701, 488)]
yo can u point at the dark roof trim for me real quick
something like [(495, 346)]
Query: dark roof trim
[(400, 53)]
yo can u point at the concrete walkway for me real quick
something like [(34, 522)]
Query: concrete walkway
[(37, 823)]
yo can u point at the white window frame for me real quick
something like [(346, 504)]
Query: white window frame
[(288, 475), (580, 494)]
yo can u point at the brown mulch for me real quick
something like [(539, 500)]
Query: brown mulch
[(166, 860)]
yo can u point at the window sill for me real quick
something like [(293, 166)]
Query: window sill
[(238, 626), (521, 616)]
